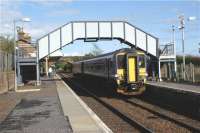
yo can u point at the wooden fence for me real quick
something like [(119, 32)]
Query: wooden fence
[(7, 81), (192, 72)]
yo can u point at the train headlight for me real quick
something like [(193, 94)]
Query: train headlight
[(116, 76), (145, 80), (119, 77)]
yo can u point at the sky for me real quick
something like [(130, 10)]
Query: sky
[(154, 17)]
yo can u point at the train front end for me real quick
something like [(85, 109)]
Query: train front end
[(131, 73)]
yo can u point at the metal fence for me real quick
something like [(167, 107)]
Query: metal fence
[(7, 79)]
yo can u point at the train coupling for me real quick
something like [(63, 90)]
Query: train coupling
[(132, 89)]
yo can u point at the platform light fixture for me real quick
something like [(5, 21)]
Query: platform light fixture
[(182, 27), (192, 18), (199, 47), (25, 19)]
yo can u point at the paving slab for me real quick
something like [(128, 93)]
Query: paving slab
[(38, 112), (177, 86), (81, 117), (8, 101)]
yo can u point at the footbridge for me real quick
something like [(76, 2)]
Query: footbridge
[(91, 31), (94, 31)]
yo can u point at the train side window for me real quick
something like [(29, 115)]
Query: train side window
[(121, 61), (141, 61), (110, 64)]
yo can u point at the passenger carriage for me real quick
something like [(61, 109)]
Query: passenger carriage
[(125, 67)]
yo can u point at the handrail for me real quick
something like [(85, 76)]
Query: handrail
[(167, 49)]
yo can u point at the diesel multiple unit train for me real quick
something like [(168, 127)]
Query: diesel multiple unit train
[(126, 68)]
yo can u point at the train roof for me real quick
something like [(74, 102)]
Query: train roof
[(110, 53)]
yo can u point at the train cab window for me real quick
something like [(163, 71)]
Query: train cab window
[(141, 61), (121, 61)]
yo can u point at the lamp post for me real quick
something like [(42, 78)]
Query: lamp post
[(174, 50), (16, 46), (199, 48), (182, 27)]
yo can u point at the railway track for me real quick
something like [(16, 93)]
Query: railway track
[(132, 122), (126, 110), (167, 115)]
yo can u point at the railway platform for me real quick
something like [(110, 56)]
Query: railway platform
[(51, 108), (185, 88), (81, 117)]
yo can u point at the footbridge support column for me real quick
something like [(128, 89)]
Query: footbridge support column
[(47, 66), (38, 66)]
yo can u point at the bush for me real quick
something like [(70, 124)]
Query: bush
[(188, 59)]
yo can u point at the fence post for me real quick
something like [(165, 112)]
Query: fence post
[(170, 71), (7, 72), (193, 75), (180, 72), (1, 71)]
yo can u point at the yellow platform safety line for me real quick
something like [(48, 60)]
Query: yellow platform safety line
[(131, 70)]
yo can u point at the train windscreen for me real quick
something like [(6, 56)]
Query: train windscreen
[(121, 60), (141, 61)]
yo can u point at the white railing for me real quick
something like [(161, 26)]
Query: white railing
[(167, 50)]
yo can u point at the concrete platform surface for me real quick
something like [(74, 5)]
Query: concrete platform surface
[(177, 86), (81, 117), (38, 112)]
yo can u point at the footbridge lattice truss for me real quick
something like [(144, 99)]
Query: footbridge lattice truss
[(94, 31)]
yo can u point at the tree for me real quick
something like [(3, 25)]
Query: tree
[(96, 50), (7, 44), (188, 59), (88, 56)]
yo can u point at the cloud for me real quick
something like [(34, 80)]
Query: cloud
[(9, 13), (37, 30), (57, 53), (48, 3), (169, 21), (64, 12), (73, 54)]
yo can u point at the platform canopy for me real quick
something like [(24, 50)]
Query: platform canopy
[(94, 31)]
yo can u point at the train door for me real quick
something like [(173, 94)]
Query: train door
[(121, 65), (82, 67), (131, 68), (108, 67)]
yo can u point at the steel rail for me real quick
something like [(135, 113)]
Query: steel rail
[(163, 116)]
